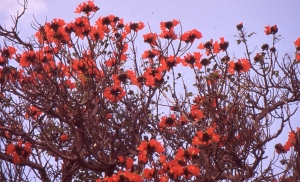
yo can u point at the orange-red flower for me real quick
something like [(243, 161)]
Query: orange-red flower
[(33, 112), (150, 38), (153, 77), (297, 42), (194, 170), (192, 60), (129, 163), (206, 138), (165, 34), (292, 140), (190, 36), (223, 44), (195, 113), (168, 63), (298, 56), (150, 147), (134, 27), (168, 25), (168, 121), (114, 93), (242, 65), (87, 7), (271, 30), (148, 173), (8, 52), (19, 152), (64, 137), (150, 54)]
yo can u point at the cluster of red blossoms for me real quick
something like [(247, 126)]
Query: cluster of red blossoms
[(19, 151)]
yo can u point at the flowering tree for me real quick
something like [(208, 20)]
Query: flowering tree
[(79, 103)]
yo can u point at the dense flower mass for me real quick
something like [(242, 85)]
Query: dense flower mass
[(81, 101)]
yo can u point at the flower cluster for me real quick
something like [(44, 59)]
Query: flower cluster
[(19, 151)]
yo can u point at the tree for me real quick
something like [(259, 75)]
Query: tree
[(78, 103)]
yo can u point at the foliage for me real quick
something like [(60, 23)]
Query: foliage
[(79, 103)]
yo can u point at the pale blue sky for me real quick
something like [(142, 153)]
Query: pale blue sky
[(213, 18)]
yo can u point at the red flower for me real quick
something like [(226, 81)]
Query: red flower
[(19, 152), (271, 30), (114, 93), (298, 56), (190, 36), (33, 112), (148, 173), (194, 170), (64, 137), (150, 147), (87, 7), (168, 35), (292, 140), (192, 60), (129, 163), (297, 42), (168, 25), (206, 138), (223, 45), (168, 63), (28, 58), (242, 65), (8, 52), (134, 27), (150, 38), (168, 121), (150, 54)]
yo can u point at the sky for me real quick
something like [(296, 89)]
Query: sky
[(213, 18)]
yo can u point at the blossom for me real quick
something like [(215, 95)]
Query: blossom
[(223, 44), (206, 138), (64, 137), (87, 7), (114, 93), (19, 152), (134, 27), (168, 35), (148, 173), (297, 42), (169, 62), (168, 25), (150, 38), (33, 112), (8, 52), (190, 36), (150, 147), (292, 140), (192, 60), (271, 30), (150, 54), (167, 121), (242, 65)]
